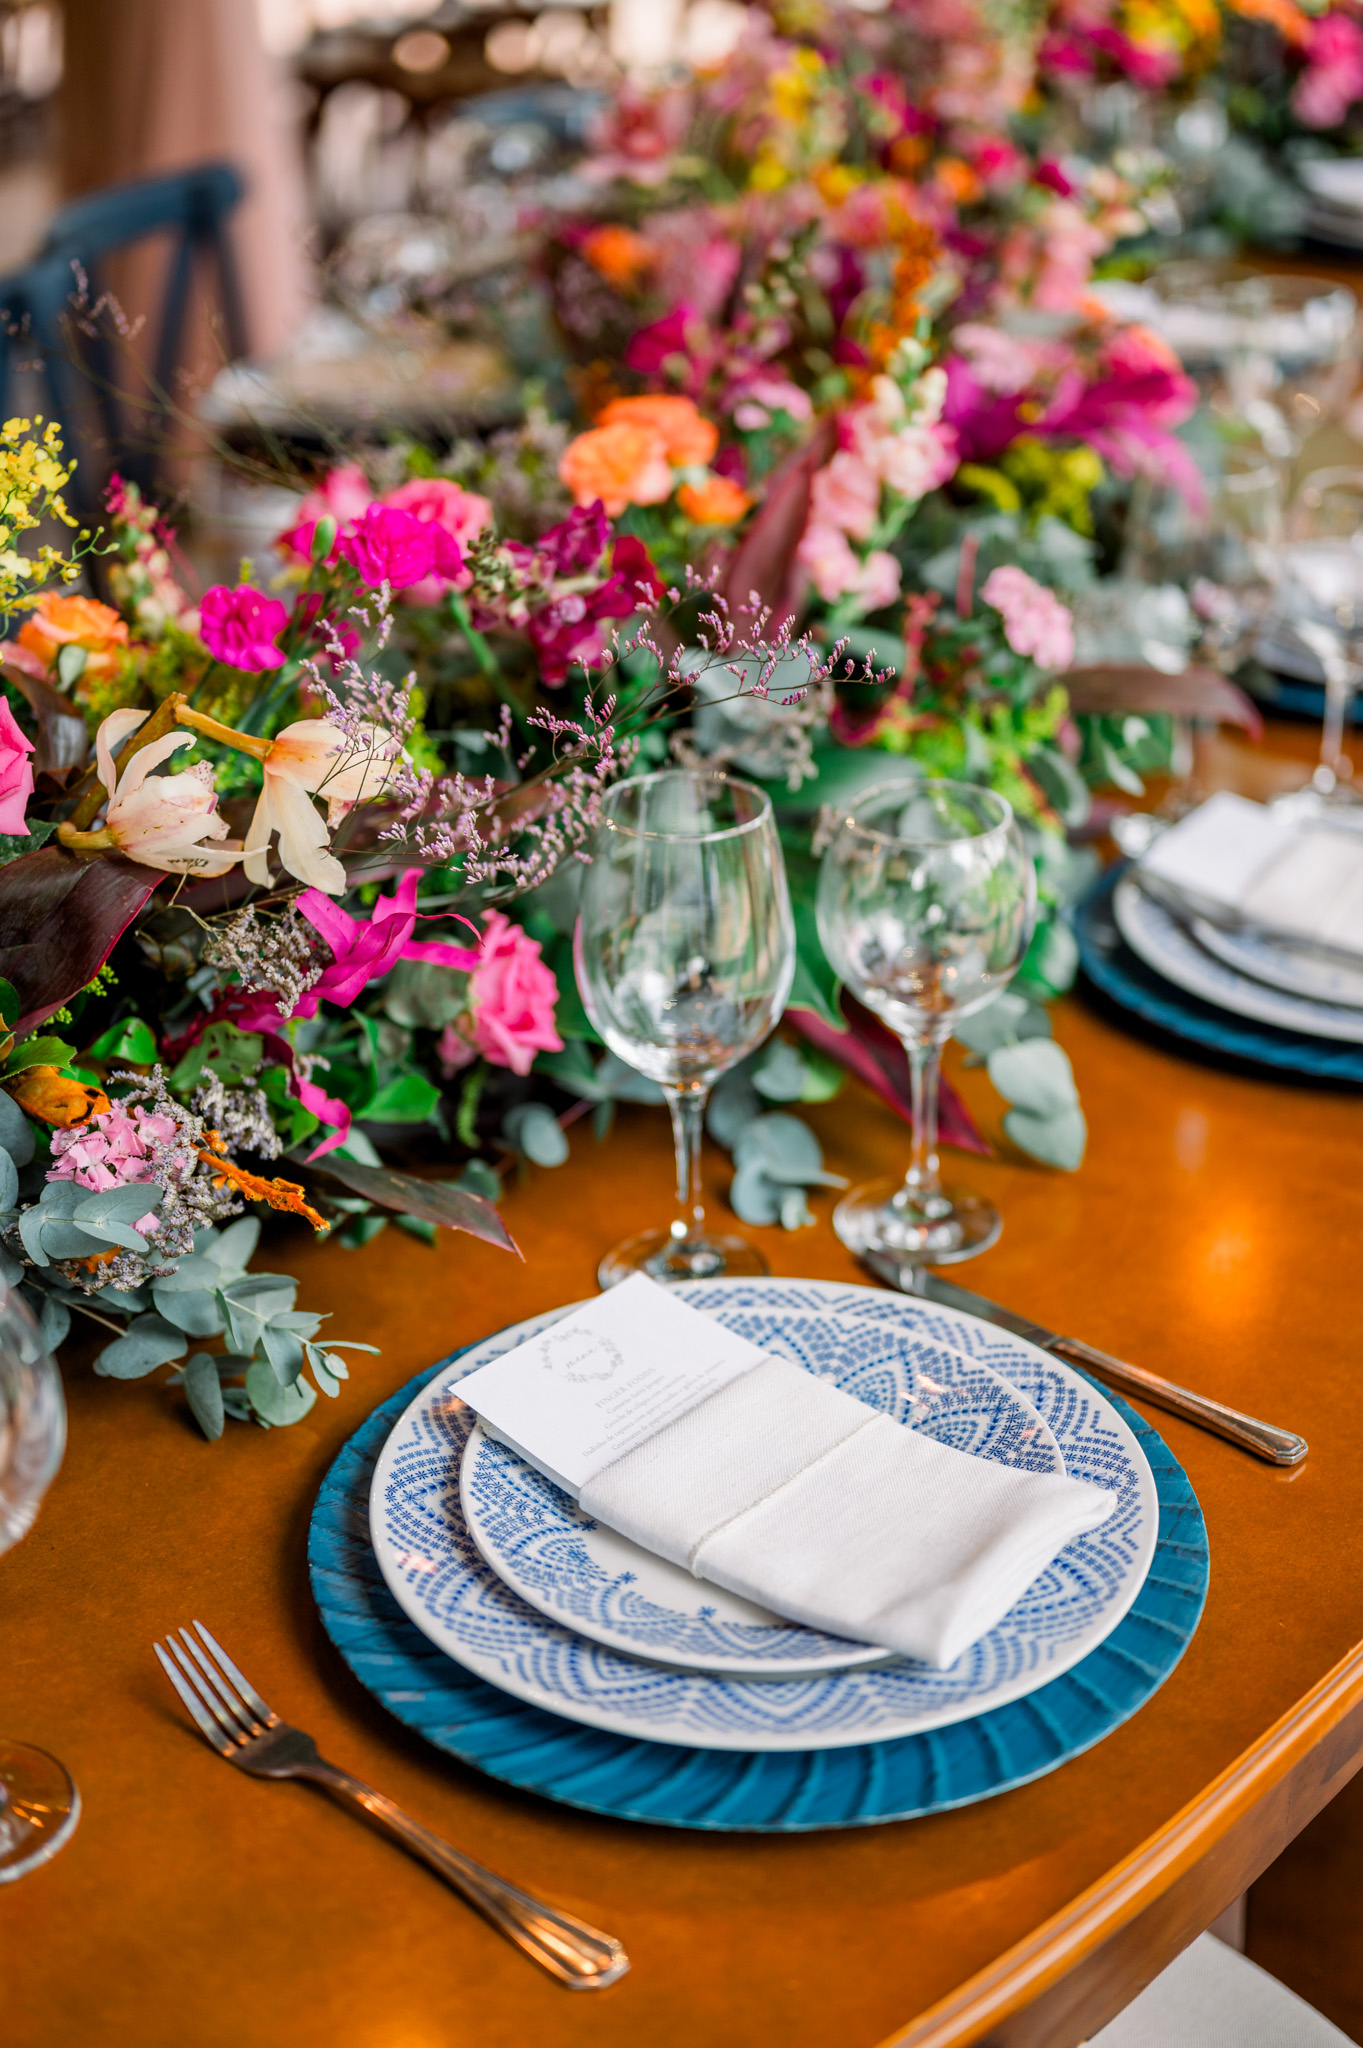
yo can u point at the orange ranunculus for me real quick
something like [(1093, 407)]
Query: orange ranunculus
[(617, 254), (621, 464), (719, 501), (55, 1098), (688, 438), (58, 622), (957, 179)]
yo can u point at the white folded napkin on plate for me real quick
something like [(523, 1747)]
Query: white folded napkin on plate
[(774, 1483), (1280, 873)]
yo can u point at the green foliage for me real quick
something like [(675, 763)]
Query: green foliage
[(777, 1158), (1033, 1074)]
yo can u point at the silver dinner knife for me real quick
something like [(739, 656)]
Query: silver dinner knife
[(1278, 1446)]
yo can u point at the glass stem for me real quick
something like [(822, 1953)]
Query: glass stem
[(1338, 700), (922, 1187), (688, 1121)]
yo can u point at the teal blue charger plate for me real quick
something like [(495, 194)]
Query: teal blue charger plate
[(767, 1792)]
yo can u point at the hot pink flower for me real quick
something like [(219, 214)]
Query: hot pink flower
[(16, 776), (461, 514), (361, 951), (393, 547), (1034, 620), (342, 495), (240, 627), (512, 996), (1333, 79)]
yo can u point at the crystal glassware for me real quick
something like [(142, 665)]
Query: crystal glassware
[(927, 898), (685, 951), (1323, 594), (39, 1805)]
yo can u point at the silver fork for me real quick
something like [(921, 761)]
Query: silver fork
[(236, 1720)]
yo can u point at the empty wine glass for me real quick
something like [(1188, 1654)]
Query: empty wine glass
[(685, 951), (1324, 596), (39, 1805), (927, 897)]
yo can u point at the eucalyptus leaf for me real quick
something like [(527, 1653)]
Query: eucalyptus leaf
[(779, 1075), (12, 1270), (9, 1180), (535, 1131), (193, 1273), (203, 1391), (16, 1132), (272, 1404), (284, 1352), (1052, 958), (31, 1223), (1057, 1140), (781, 1142), (1035, 1076), (195, 1311), (995, 1025), (230, 1250), (753, 1196), (62, 1240), (734, 1104), (54, 1322), (795, 1211), (478, 1178), (415, 1226), (150, 1341)]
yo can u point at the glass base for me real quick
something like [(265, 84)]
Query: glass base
[(879, 1217), (39, 1808), (667, 1258)]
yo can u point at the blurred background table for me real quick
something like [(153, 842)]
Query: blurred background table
[(1211, 1235)]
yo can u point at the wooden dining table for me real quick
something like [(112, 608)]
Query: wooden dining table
[(1212, 1233)]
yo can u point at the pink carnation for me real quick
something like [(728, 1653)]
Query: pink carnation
[(240, 627), (394, 547), (512, 996), (1034, 620), (342, 495), (459, 513), (16, 775)]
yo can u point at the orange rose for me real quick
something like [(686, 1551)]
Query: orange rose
[(688, 438), (617, 254), (621, 464), (717, 502), (58, 622)]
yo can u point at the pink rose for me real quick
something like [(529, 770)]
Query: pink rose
[(1035, 622), (393, 547), (461, 514), (239, 627), (512, 994), (16, 776)]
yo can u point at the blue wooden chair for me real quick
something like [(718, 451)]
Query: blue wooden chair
[(46, 309)]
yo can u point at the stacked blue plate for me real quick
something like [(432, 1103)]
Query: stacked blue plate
[(479, 1604), (1229, 993)]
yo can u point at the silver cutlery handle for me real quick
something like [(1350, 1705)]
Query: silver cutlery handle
[(1278, 1446), (578, 1955)]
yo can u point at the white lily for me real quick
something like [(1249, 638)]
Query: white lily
[(159, 822)]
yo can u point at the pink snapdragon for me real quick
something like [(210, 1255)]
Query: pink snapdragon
[(16, 773), (241, 627), (837, 571), (1035, 623), (511, 1003), (394, 547)]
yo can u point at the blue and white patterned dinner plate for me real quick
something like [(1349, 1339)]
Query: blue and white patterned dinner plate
[(1282, 966), (1157, 937), (579, 1572), (440, 1579)]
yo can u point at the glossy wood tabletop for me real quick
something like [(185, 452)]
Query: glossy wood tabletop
[(1213, 1234)]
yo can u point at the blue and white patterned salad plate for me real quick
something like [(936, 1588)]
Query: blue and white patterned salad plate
[(881, 1347), (579, 1572)]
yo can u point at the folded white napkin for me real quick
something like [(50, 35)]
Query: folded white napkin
[(782, 1488), (1282, 873)]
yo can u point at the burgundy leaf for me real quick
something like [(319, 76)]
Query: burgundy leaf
[(1111, 687), (436, 1201), (60, 918), (873, 1053), (62, 741), (764, 560)]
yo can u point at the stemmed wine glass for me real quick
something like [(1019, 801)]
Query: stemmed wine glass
[(685, 952), (1324, 591), (927, 897), (39, 1805)]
